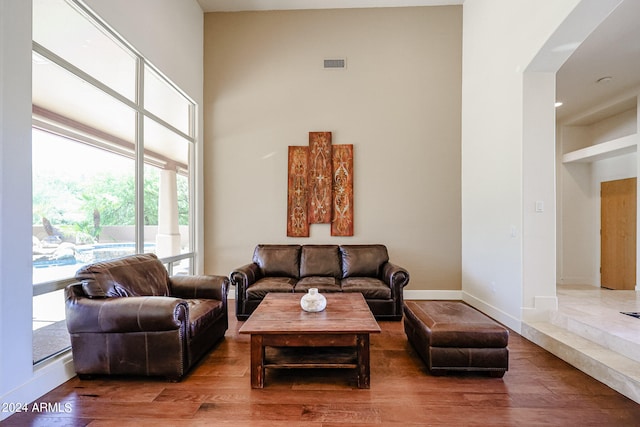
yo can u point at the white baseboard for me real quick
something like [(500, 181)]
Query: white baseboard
[(579, 280), (417, 294), (493, 312), (45, 378), (409, 294), (488, 309), (542, 306)]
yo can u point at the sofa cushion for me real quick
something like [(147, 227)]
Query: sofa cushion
[(363, 260), (320, 260), (202, 313), (278, 260), (262, 287), (138, 275), (369, 287), (322, 283)]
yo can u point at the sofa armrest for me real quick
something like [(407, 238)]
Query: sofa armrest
[(203, 286), (244, 277), (125, 314), (394, 276)]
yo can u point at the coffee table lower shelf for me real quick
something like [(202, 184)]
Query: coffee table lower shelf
[(311, 357), (342, 351)]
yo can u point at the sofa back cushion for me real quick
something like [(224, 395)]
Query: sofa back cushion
[(320, 260), (137, 275), (363, 260), (278, 260)]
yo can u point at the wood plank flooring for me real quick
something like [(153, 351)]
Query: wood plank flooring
[(538, 390)]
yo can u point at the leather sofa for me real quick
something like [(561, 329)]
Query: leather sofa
[(128, 317), (329, 268)]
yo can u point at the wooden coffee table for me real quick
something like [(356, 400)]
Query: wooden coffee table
[(285, 336)]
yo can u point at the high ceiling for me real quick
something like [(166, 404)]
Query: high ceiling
[(240, 5), (612, 50)]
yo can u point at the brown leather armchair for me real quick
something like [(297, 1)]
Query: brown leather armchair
[(128, 317)]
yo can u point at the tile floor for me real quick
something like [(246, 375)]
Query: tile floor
[(589, 331), (601, 309)]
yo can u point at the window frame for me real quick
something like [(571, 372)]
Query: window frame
[(46, 121)]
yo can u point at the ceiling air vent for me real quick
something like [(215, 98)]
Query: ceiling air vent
[(335, 64)]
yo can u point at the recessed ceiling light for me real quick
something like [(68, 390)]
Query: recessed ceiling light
[(558, 104), (605, 79)]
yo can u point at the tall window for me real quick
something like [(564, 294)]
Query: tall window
[(112, 152)]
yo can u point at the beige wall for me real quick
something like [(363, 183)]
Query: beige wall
[(398, 102)]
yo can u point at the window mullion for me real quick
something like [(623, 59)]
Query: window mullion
[(139, 174), (49, 55), (172, 128)]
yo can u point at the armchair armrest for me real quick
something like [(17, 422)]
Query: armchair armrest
[(245, 276), (394, 276), (207, 287), (125, 314)]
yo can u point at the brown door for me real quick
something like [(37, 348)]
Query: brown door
[(618, 234)]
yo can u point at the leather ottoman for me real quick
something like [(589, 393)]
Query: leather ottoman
[(452, 336)]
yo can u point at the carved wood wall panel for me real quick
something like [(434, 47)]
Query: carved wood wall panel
[(342, 221), (320, 186), (319, 177), (297, 198)]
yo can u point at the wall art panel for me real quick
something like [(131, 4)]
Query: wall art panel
[(319, 177), (297, 193), (342, 221)]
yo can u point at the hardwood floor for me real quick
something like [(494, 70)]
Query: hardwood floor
[(538, 389)]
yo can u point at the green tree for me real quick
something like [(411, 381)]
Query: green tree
[(73, 204), (183, 200), (114, 198)]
